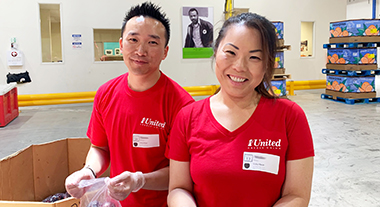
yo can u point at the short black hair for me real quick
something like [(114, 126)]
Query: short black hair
[(148, 9), (193, 9)]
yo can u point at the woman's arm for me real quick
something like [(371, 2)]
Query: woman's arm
[(297, 186), (180, 185)]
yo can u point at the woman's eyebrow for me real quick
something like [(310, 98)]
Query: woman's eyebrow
[(251, 51)]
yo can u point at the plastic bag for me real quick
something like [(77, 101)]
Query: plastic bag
[(96, 194)]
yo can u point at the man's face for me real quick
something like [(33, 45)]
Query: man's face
[(193, 17), (143, 45)]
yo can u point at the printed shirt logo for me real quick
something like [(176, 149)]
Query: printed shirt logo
[(264, 144), (148, 122)]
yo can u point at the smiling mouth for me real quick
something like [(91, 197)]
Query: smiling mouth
[(139, 61), (236, 79)]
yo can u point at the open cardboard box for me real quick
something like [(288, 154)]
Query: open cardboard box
[(38, 171)]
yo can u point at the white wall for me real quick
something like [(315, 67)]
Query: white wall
[(79, 72), (359, 9)]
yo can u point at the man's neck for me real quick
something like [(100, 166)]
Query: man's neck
[(141, 83)]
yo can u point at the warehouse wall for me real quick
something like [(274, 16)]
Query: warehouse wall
[(79, 72)]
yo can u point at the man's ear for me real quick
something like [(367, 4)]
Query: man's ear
[(121, 43), (165, 52)]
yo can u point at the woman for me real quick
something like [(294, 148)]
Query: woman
[(242, 146)]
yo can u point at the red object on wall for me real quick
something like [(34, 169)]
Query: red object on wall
[(8, 106)]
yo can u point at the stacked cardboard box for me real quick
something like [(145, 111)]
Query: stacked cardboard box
[(352, 47), (279, 77)]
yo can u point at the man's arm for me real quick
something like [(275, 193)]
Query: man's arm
[(98, 159), (157, 180), (97, 162)]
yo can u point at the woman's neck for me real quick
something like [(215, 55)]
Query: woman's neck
[(247, 102)]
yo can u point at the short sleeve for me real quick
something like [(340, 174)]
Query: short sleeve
[(177, 146), (96, 130), (299, 134)]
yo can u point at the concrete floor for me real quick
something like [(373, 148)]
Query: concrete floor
[(346, 139)]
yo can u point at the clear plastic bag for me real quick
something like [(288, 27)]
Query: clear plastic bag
[(96, 194)]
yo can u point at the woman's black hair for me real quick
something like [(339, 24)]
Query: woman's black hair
[(269, 45)]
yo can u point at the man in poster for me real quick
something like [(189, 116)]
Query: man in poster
[(199, 31)]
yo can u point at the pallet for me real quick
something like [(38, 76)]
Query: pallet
[(357, 39), (351, 66), (350, 95), (284, 47), (281, 76), (351, 73), (351, 101), (351, 45)]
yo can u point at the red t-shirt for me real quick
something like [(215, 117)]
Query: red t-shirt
[(245, 167), (135, 126)]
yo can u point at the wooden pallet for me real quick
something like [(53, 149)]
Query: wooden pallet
[(351, 66), (350, 95), (281, 76), (354, 39)]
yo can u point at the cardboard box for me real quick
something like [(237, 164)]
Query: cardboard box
[(278, 71), (38, 171), (359, 27), (352, 56), (279, 29), (8, 103), (279, 60), (279, 87), (350, 84)]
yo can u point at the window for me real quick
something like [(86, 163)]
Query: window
[(50, 23), (307, 39), (106, 45)]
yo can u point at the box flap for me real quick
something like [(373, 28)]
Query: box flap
[(17, 176), (77, 152), (50, 171), (78, 149)]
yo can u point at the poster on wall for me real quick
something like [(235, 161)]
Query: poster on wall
[(198, 32), (76, 41)]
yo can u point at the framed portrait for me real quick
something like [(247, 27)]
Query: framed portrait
[(197, 32)]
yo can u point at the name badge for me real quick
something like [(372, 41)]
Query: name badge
[(146, 140), (261, 162)]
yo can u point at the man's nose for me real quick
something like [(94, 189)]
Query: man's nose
[(141, 49)]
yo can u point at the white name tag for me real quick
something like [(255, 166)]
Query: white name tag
[(146, 140), (261, 162)]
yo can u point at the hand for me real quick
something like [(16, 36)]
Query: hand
[(121, 186), (73, 180)]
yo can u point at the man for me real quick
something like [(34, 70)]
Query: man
[(133, 115), (199, 31)]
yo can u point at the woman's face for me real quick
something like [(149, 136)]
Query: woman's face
[(239, 64)]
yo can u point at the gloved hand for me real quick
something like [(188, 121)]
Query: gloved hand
[(121, 186), (73, 180)]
